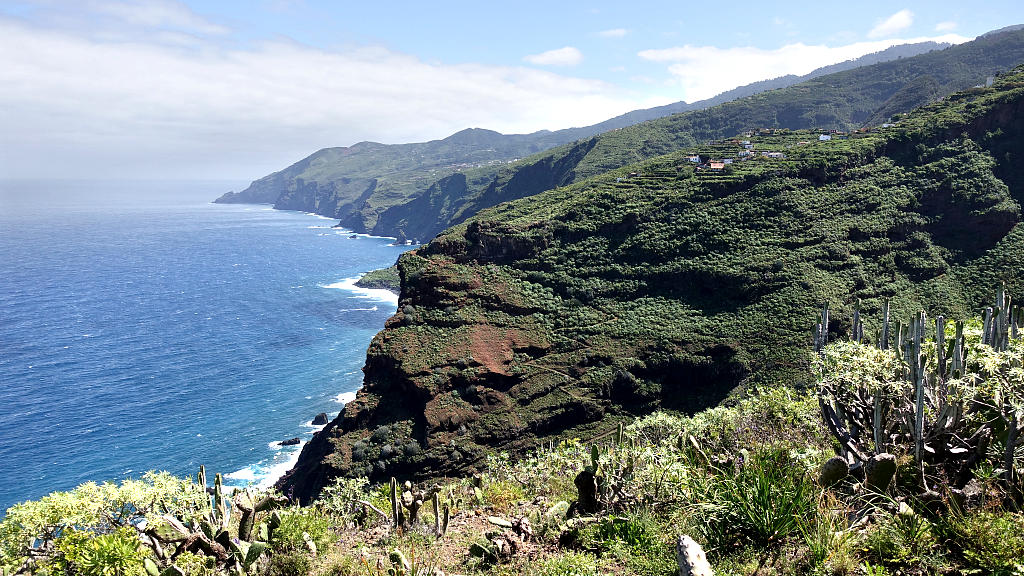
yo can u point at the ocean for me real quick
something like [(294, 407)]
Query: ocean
[(144, 328)]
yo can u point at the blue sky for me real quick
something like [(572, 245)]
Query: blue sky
[(169, 88)]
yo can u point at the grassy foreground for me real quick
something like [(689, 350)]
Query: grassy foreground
[(747, 480)]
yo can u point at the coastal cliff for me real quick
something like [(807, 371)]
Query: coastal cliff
[(672, 283)]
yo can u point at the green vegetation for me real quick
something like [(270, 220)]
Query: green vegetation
[(744, 479), (665, 313), (421, 189), (663, 286), (845, 100), (385, 278)]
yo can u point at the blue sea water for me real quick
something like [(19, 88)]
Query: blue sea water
[(144, 328)]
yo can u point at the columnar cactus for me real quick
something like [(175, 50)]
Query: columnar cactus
[(927, 399)]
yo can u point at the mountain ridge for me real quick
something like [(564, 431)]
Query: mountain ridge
[(847, 99), (357, 194)]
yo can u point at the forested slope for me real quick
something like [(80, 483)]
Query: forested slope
[(661, 285)]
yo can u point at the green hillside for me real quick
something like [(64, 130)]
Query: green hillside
[(661, 285), (846, 100), (337, 182), (360, 183)]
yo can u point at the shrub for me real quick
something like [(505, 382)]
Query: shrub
[(825, 533), (545, 472), (901, 538), (637, 540), (501, 494), (763, 502), (636, 532), (290, 564), (91, 511), (380, 434), (569, 563), (195, 565), (339, 501), (297, 525), (992, 542), (116, 553)]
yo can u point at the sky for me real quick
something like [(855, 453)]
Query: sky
[(174, 89)]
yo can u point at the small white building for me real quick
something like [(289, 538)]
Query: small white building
[(824, 138)]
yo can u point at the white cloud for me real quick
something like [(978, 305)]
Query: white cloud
[(613, 33), (74, 105), (946, 26), (567, 56), (894, 24), (156, 14), (704, 71)]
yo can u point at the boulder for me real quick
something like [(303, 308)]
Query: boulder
[(289, 442), (320, 420)]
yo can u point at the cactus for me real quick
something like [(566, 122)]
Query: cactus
[(220, 515), (957, 367), (1012, 435), (883, 339), (201, 477), (691, 558), (232, 553), (595, 461), (395, 519), (440, 522), (273, 523), (437, 515), (924, 410), (917, 379), (821, 335), (250, 508), (986, 330), (400, 562), (833, 471), (879, 471), (245, 554), (857, 331)]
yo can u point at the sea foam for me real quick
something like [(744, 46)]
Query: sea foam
[(345, 397), (379, 294), (265, 473)]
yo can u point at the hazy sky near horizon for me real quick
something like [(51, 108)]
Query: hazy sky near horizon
[(235, 90)]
